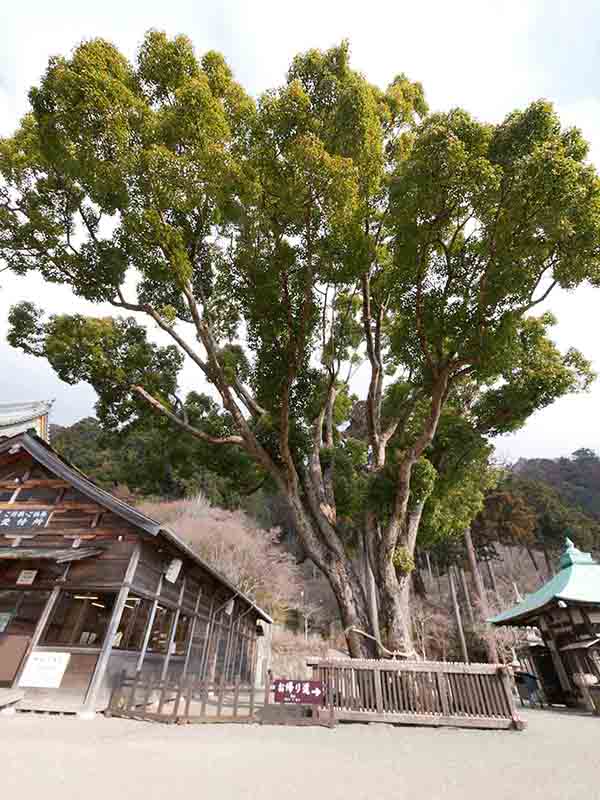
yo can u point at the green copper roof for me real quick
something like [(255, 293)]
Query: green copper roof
[(578, 581)]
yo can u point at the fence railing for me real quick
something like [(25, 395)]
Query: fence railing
[(183, 700), (397, 692), (420, 693)]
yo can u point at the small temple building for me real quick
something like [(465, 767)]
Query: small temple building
[(21, 417), (564, 653), (91, 588)]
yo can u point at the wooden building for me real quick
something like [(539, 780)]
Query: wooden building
[(22, 417), (565, 657), (90, 587)]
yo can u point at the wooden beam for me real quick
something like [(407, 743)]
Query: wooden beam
[(173, 631), (89, 703), (149, 624)]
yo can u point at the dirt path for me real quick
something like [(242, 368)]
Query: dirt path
[(59, 758)]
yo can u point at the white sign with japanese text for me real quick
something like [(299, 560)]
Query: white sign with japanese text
[(173, 570), (45, 670), (26, 577)]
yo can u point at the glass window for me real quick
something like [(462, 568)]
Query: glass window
[(79, 619), (20, 610), (161, 629), (130, 634)]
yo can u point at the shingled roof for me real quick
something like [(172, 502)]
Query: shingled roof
[(18, 417)]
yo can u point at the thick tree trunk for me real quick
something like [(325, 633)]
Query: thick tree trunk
[(353, 608), (481, 595), (329, 556), (370, 588), (394, 612)]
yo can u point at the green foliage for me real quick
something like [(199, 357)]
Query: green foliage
[(403, 560), (152, 458), (291, 236), (111, 353)]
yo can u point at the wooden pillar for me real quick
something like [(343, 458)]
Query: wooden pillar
[(188, 649), (207, 639), (89, 702), (587, 695), (39, 629), (149, 624), (561, 671), (459, 625), (172, 632)]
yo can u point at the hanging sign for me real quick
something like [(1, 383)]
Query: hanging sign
[(23, 518), (296, 692), (45, 670), (173, 570), (26, 577)]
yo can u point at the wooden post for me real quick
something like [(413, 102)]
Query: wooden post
[(587, 695), (188, 648), (429, 570), (89, 702), (493, 581), (465, 589), (149, 625), (556, 659), (207, 640), (459, 625), (39, 629), (506, 683), (172, 632)]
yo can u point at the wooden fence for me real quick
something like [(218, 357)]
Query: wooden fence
[(183, 700), (420, 693), (396, 692)]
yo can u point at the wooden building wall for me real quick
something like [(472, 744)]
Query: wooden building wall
[(131, 563)]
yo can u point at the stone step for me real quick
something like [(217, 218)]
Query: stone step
[(9, 697)]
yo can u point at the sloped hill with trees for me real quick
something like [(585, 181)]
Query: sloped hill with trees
[(576, 479)]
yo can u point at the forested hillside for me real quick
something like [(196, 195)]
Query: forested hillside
[(576, 479)]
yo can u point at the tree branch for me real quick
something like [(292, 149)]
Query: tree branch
[(205, 437)]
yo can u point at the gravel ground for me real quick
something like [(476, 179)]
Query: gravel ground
[(51, 757)]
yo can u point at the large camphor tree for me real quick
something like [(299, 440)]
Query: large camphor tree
[(330, 238)]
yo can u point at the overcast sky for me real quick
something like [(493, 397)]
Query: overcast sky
[(487, 56)]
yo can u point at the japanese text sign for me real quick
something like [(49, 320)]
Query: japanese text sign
[(295, 691), (23, 518)]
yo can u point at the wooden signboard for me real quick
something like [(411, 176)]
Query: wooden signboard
[(23, 518), (299, 692)]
